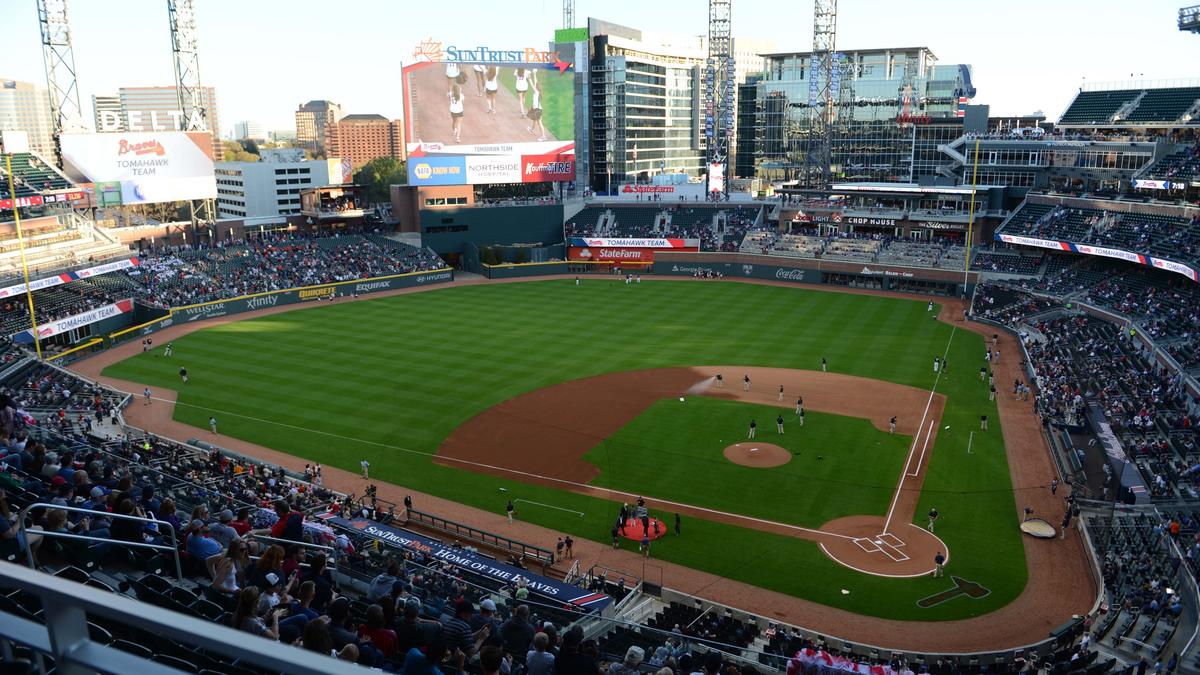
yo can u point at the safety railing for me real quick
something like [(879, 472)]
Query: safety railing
[(64, 633), (164, 527), (542, 555)]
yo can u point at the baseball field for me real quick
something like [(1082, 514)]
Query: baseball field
[(569, 398)]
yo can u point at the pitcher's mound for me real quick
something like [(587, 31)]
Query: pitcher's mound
[(758, 455)]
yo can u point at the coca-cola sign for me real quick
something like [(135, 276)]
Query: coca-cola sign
[(789, 274)]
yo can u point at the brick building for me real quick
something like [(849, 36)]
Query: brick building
[(362, 138)]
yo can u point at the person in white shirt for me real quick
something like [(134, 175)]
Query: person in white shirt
[(522, 76), (453, 76), (456, 111), (480, 76), (535, 112), (491, 85)]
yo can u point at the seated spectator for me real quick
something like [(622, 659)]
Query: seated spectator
[(383, 638), (318, 573), (302, 603), (316, 638), (413, 631), (200, 545), (241, 524), (291, 563), (290, 524), (384, 583), (270, 562), (166, 511), (247, 617), (571, 659), (228, 571), (632, 663), (429, 661), (12, 541), (222, 532)]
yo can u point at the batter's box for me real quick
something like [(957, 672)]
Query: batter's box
[(867, 545), (890, 539)]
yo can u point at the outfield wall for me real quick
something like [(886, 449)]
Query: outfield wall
[(249, 303)]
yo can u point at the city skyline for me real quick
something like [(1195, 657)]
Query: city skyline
[(1022, 59)]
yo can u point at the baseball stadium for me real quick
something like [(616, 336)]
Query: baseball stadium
[(854, 376)]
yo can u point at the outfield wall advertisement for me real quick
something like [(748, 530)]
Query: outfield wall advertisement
[(1103, 251), (67, 277), (143, 168), (481, 115), (45, 330), (625, 250)]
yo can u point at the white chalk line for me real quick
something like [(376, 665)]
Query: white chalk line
[(549, 506), (924, 447), (969, 439), (887, 522), (516, 472)]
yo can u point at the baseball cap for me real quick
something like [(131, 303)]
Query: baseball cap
[(97, 492), (197, 524), (226, 516), (58, 480), (487, 605), (272, 578)]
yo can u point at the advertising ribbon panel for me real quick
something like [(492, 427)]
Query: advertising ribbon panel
[(45, 330), (681, 244), (1104, 251), (545, 587), (68, 277)]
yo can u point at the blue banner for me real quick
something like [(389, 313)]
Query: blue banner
[(543, 587), (431, 170)]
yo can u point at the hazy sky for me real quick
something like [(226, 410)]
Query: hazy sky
[(266, 56)]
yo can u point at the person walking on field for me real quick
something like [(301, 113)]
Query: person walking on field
[(746, 382), (678, 524), (570, 546), (933, 516), (799, 405), (510, 509), (983, 422), (1054, 485), (753, 428), (781, 392), (645, 547), (939, 562), (146, 393), (801, 416), (892, 425), (183, 374), (366, 468), (212, 423), (937, 364), (779, 424), (720, 381), (824, 365), (992, 393), (170, 349)]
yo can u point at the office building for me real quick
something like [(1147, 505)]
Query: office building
[(270, 189), (106, 112), (312, 118), (362, 138), (157, 109), (26, 107), (249, 131)]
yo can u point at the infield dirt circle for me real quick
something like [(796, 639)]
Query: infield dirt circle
[(757, 455)]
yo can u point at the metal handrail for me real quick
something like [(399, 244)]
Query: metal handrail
[(510, 545), (64, 634), (79, 537)]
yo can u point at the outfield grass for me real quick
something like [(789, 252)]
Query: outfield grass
[(558, 100), (841, 466), (387, 380)]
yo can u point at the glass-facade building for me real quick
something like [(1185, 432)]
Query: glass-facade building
[(895, 107)]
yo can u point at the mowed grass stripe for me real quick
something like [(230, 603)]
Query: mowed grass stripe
[(405, 371)]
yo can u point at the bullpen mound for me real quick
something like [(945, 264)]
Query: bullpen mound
[(757, 455)]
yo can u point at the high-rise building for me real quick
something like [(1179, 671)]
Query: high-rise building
[(26, 107), (362, 138), (106, 112), (249, 130), (312, 118), (905, 104), (157, 109)]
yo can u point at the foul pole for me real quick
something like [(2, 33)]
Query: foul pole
[(971, 217), (12, 190)]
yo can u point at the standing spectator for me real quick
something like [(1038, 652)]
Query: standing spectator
[(538, 661), (517, 632)]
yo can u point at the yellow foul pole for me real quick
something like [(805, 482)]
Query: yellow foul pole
[(12, 190), (971, 217)]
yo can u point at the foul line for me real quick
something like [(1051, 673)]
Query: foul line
[(924, 447), (969, 439), (588, 490), (887, 523), (549, 506)]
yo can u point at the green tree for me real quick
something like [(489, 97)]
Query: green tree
[(379, 174), (235, 152)]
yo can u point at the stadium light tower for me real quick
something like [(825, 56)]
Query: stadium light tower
[(182, 17), (568, 14), (823, 89), (719, 79), (1189, 19), (65, 112)]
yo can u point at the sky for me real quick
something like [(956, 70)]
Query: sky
[(265, 57)]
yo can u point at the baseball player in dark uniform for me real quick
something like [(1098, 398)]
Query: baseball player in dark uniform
[(183, 374), (892, 425), (753, 428), (779, 424), (939, 561), (933, 516)]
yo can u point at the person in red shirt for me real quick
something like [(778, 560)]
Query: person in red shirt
[(242, 523), (295, 556), (290, 524), (384, 639)]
